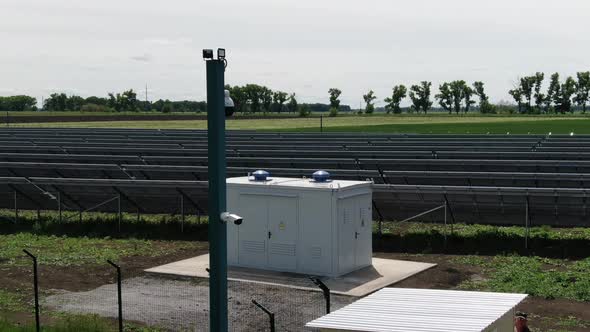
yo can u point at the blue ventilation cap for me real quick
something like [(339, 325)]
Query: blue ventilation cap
[(260, 175), (321, 176)]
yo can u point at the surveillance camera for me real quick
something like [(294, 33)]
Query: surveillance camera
[(227, 217), (229, 104)]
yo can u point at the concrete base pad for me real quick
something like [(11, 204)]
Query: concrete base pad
[(384, 272)]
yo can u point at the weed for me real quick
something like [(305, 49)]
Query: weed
[(10, 301), (74, 251), (547, 278)]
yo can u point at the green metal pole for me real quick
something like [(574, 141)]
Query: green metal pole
[(217, 229)]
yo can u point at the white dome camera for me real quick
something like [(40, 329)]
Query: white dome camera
[(227, 218), (229, 104)]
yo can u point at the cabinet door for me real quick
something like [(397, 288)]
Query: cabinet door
[(252, 235), (346, 234), (282, 232), (363, 231)]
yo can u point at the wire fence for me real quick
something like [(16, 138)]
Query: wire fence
[(167, 303)]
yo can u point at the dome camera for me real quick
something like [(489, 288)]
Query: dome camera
[(227, 218), (229, 104)]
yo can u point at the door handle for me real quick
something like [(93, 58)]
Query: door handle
[(269, 234), (356, 235)]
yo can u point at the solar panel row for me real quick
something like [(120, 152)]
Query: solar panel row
[(483, 178)]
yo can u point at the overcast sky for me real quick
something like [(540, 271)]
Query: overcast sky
[(89, 47)]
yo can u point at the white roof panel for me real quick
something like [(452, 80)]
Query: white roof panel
[(298, 183), (421, 310)]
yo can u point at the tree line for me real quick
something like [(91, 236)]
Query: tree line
[(254, 98), (250, 98), (458, 96), (126, 101), (559, 96)]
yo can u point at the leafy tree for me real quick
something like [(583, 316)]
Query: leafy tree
[(292, 104), (334, 101), (96, 101), (467, 94), (369, 98), (484, 101), (125, 102), (526, 88), (553, 92), (266, 97), (582, 89), (304, 110), (420, 96), (517, 94), (445, 97), (18, 103), (568, 89), (74, 103), (56, 102), (254, 94), (279, 98), (458, 92), (538, 96), (334, 95), (167, 107), (398, 93), (238, 95)]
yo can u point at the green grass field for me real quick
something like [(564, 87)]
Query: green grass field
[(435, 124)]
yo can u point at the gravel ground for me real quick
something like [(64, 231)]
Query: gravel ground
[(182, 305)]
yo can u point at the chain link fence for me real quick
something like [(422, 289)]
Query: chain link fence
[(167, 303)]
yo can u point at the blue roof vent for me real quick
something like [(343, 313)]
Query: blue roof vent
[(260, 175), (321, 176)]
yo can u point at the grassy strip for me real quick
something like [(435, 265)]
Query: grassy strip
[(74, 323), (480, 231), (100, 224), (75, 251), (537, 276), (555, 126), (483, 239), (10, 302), (376, 123)]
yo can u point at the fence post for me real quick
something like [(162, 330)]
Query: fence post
[(15, 209), (36, 287), (119, 295), (181, 213), (325, 290), (271, 315), (526, 223), (119, 211), (445, 245), (59, 205), (321, 123)]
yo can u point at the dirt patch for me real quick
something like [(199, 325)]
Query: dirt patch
[(446, 275), (183, 304), (86, 277)]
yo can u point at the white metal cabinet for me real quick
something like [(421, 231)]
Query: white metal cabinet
[(297, 225)]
